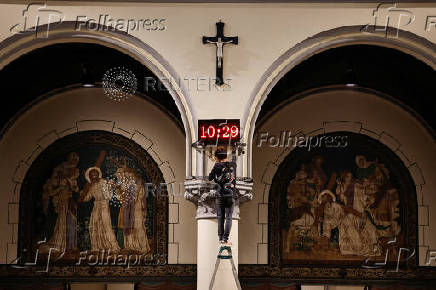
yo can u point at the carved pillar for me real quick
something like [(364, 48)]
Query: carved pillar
[(200, 158), (202, 193)]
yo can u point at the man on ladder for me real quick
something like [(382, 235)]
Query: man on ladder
[(223, 174)]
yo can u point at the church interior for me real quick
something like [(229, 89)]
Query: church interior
[(221, 145)]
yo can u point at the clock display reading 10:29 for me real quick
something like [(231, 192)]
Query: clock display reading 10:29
[(219, 131)]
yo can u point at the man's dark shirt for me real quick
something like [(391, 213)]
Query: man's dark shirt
[(216, 171)]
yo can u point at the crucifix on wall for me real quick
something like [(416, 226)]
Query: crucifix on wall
[(220, 40)]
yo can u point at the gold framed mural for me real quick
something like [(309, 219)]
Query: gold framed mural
[(91, 197), (348, 205)]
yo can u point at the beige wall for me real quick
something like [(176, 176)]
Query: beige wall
[(265, 31), (72, 111), (326, 112)]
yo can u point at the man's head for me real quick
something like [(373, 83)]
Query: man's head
[(347, 176), (361, 161), (221, 153), (326, 196), (94, 175), (317, 161), (73, 158)]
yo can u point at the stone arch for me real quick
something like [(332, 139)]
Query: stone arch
[(407, 42), (66, 32)]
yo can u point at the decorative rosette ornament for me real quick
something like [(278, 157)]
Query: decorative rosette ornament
[(119, 83)]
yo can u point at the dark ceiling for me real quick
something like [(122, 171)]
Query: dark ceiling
[(382, 69), (46, 69)]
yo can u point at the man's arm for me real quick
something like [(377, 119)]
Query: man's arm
[(84, 195), (212, 173), (234, 172), (234, 166)]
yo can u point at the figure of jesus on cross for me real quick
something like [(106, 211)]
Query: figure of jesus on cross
[(219, 40), (219, 49)]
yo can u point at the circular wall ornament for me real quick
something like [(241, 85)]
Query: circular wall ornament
[(119, 83)]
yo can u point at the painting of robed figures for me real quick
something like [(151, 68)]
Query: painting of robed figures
[(91, 198), (344, 205)]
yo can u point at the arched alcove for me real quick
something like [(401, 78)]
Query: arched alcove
[(55, 103), (20, 44), (408, 44), (78, 109), (323, 111), (320, 66)]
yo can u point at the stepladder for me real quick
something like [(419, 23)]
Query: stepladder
[(225, 256)]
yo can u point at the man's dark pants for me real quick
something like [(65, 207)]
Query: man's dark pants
[(224, 209)]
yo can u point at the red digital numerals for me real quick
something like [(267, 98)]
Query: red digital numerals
[(212, 131)]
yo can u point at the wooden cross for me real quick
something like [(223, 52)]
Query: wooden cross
[(220, 40)]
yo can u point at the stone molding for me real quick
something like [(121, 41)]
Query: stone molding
[(203, 194)]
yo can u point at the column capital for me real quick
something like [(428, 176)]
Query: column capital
[(203, 194)]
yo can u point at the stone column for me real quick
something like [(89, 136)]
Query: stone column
[(202, 193)]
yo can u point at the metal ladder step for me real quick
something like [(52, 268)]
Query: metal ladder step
[(220, 257)]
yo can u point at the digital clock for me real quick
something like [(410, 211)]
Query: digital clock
[(219, 131)]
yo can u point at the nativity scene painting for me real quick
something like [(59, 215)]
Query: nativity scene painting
[(344, 204), (91, 197)]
